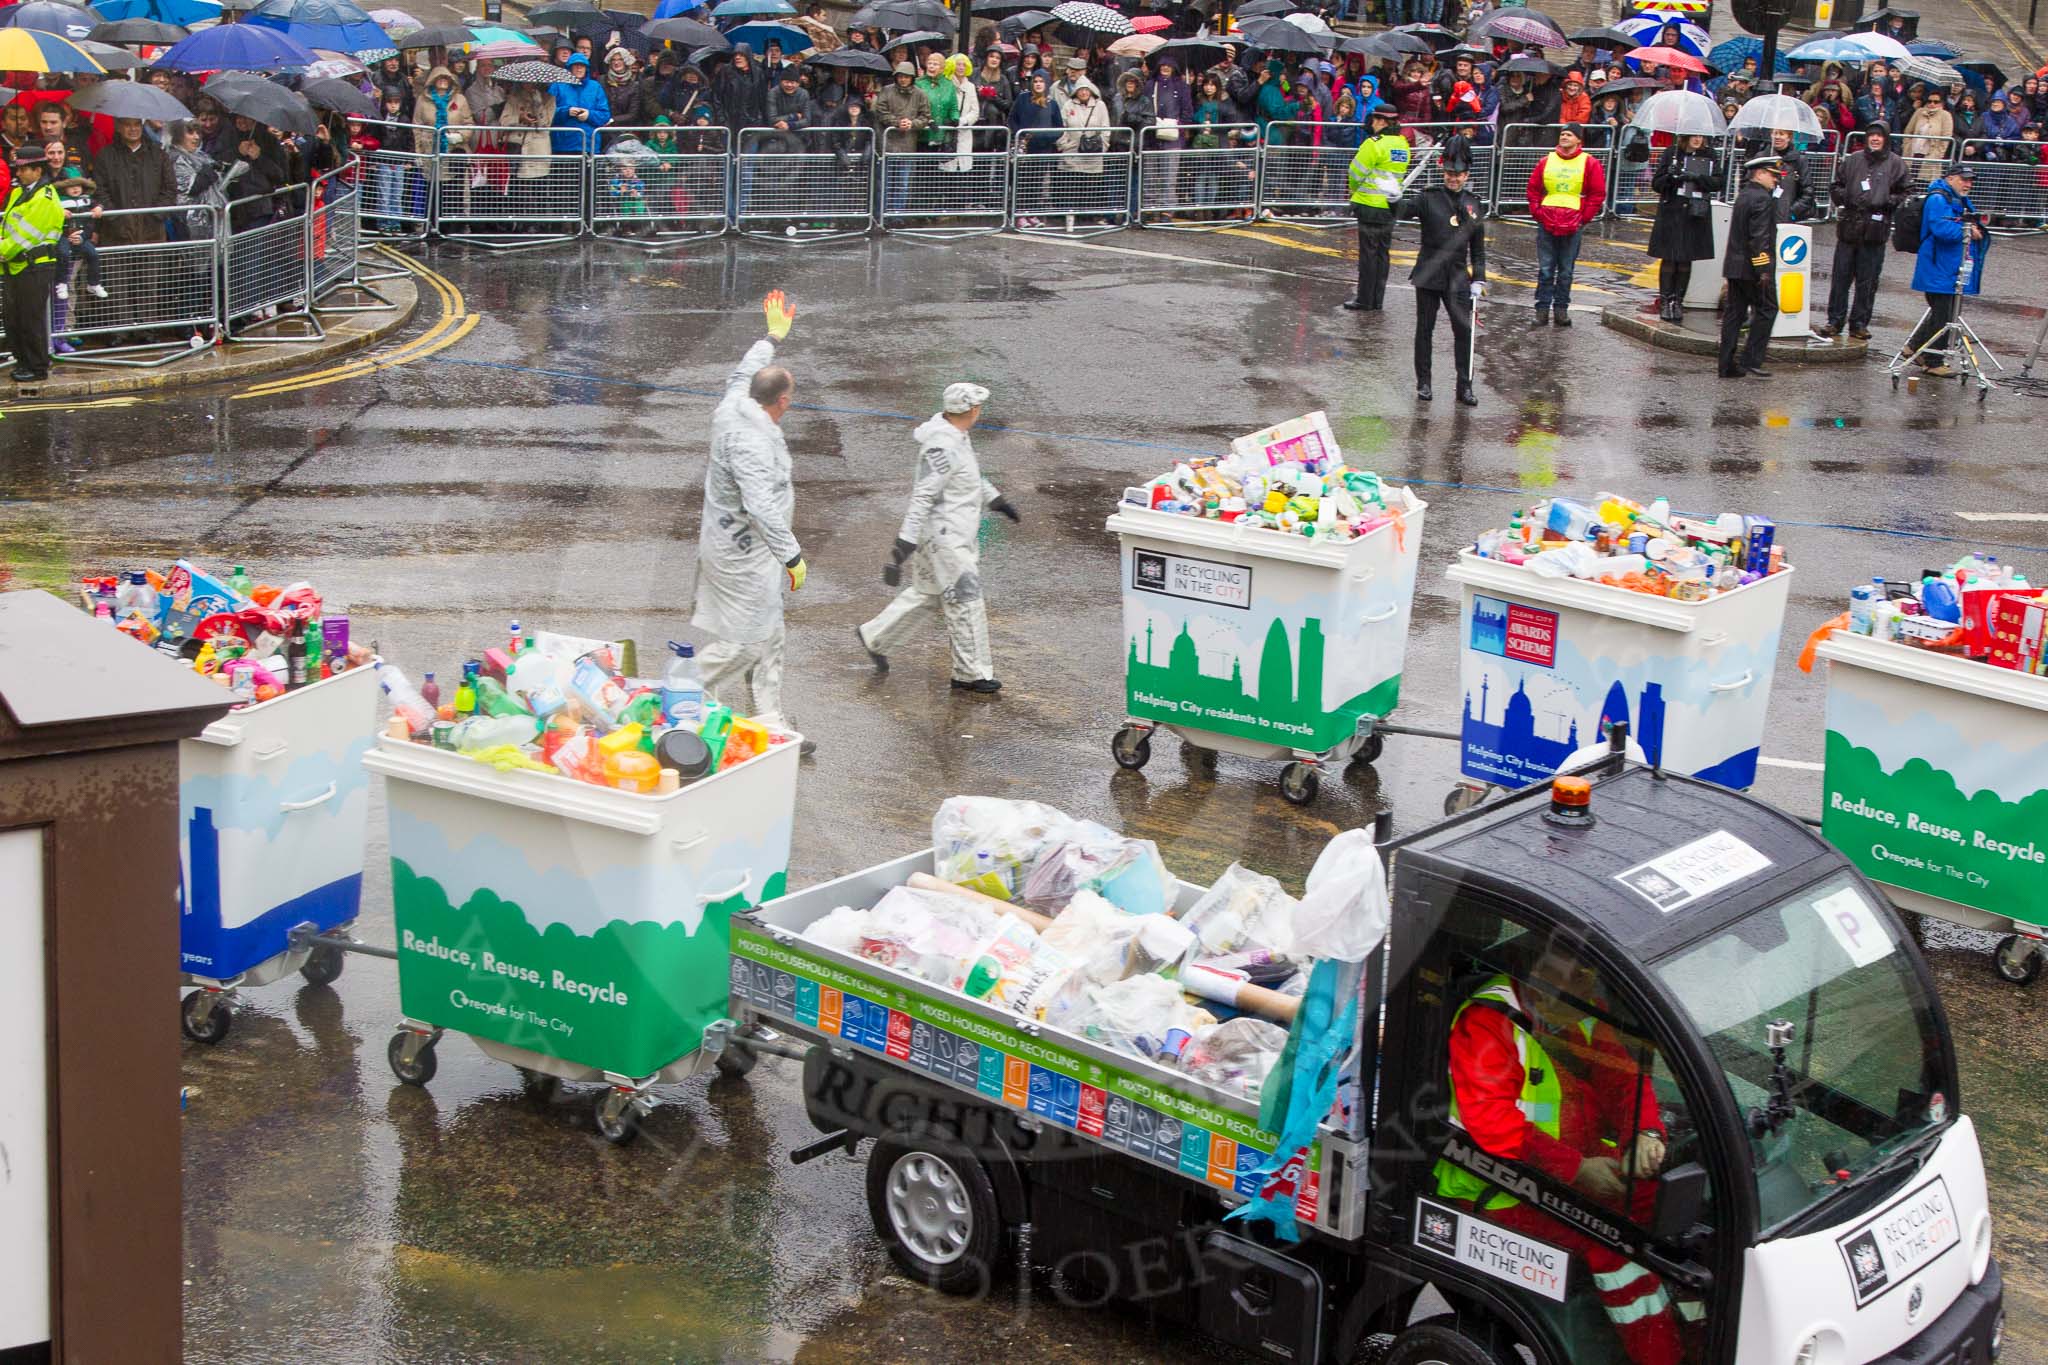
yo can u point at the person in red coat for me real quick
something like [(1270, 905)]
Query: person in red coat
[(1567, 190), (1537, 1082)]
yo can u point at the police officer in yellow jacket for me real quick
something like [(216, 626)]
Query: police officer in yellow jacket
[(1378, 171), (31, 220)]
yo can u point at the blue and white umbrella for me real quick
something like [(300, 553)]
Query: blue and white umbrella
[(1938, 48), (52, 16), (336, 25), (757, 36), (1730, 56), (237, 47), (1648, 31)]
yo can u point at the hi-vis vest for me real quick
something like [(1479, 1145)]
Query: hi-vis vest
[(1377, 170), (1541, 1102), (1564, 182), (30, 223)]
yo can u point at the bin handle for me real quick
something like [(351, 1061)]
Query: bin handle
[(746, 880), (685, 845), (1391, 612), (264, 755), (1747, 676), (1362, 572), (1719, 637), (323, 797)]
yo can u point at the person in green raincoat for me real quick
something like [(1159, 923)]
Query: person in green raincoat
[(944, 98)]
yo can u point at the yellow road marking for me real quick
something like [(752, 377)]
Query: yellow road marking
[(124, 401), (1271, 240), (455, 323)]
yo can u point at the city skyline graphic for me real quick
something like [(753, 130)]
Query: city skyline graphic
[(1287, 704)]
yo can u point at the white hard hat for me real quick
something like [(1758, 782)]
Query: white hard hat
[(964, 397)]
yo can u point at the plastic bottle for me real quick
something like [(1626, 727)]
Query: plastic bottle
[(406, 702), (516, 636), (1938, 598), (295, 662), (493, 732), (430, 692), (682, 688), (136, 595), (316, 667), (1859, 609), (465, 693), (632, 771), (493, 700), (240, 581)]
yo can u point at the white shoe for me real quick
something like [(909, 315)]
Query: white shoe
[(63, 291), (98, 291)]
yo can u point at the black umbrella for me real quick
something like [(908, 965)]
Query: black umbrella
[(1602, 37), (913, 39), (138, 31), (339, 97), (1260, 9), (901, 16), (690, 33), (990, 9), (433, 35), (853, 59), (1393, 46), (1628, 85), (1025, 21), (564, 12), (128, 99), (1534, 66), (268, 103), (1211, 48), (1477, 54), (1277, 35), (1436, 35)]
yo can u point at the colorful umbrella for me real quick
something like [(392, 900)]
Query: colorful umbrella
[(31, 49), (1681, 113), (392, 20), (1152, 23), (1519, 24), (370, 56), (758, 36), (1730, 56), (531, 73), (1648, 30), (508, 49), (335, 24), (751, 9), (670, 9), (1093, 17), (1136, 45), (1675, 57), (75, 22), (183, 12), (235, 47)]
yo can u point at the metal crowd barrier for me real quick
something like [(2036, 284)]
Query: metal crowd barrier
[(1632, 185), (1300, 182), (2012, 182), (398, 188), (1522, 151), (169, 288), (1425, 166), (479, 195), (1075, 191), (1184, 186), (265, 268), (651, 194), (811, 185), (948, 194)]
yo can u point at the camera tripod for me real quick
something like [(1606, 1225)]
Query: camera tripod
[(2026, 381), (1956, 342)]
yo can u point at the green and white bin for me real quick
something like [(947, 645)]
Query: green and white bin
[(1250, 641), (575, 931), (1937, 787)]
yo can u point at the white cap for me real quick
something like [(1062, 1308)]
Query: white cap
[(965, 397)]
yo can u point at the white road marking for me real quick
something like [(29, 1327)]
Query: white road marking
[(2003, 516), (1797, 763)]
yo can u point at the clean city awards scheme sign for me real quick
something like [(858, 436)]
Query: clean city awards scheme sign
[(1266, 648), (1938, 791)]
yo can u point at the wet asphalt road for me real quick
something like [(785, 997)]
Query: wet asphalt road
[(548, 467)]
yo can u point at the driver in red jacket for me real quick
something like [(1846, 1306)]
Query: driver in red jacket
[(1536, 1081)]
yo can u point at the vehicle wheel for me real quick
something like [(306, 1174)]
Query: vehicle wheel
[(934, 1207), (1298, 783), (419, 1070), (1132, 748), (323, 966), (2016, 959), (736, 1060), (1437, 1343), (208, 1027), (1370, 751), (618, 1117), (1462, 798), (539, 1086)]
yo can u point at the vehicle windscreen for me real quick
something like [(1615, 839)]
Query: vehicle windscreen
[(1866, 1064)]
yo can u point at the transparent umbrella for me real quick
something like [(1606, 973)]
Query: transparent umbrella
[(1681, 113), (1769, 113)]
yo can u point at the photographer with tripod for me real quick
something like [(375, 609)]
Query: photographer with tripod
[(1950, 266)]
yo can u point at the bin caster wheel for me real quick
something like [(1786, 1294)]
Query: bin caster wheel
[(205, 1017), (618, 1117), (736, 1061), (1298, 783), (1369, 752), (1462, 798), (323, 967), (2015, 959), (1132, 748), (420, 1069)]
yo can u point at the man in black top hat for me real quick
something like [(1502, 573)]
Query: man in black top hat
[(1750, 265), (1453, 234)]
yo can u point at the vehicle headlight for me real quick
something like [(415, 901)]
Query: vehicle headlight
[(1809, 1351), (1822, 1346), (1980, 1247)]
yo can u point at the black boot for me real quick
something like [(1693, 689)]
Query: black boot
[(1542, 316), (1423, 391), (1465, 394)]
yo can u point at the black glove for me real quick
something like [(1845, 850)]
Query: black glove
[(892, 572), (1004, 507), (892, 575)]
